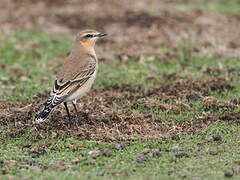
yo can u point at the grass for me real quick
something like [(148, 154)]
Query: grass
[(27, 56), (28, 60), (58, 163), (229, 7)]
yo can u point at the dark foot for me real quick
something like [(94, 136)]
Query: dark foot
[(80, 122)]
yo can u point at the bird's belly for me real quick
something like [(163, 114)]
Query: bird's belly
[(83, 90)]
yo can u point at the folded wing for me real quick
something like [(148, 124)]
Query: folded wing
[(74, 74)]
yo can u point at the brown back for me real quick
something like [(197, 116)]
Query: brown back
[(75, 64)]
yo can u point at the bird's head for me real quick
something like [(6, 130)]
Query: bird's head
[(87, 38)]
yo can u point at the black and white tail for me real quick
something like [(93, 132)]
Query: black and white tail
[(44, 114), (51, 103)]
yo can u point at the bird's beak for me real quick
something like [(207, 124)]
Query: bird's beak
[(101, 35)]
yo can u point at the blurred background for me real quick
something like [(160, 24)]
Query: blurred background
[(135, 27), (168, 35)]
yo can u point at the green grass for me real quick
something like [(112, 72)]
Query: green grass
[(122, 164), (35, 55), (30, 57), (229, 7), (27, 63)]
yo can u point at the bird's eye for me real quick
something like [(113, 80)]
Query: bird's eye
[(88, 35)]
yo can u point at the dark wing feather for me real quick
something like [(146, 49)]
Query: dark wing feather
[(65, 85)]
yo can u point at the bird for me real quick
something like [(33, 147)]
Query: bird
[(76, 76)]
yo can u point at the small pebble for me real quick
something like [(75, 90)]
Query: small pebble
[(142, 158), (35, 155), (228, 173), (181, 154), (210, 139), (101, 173), (174, 159), (156, 153), (107, 153), (54, 134), (23, 78), (175, 148), (214, 138), (213, 152), (217, 138), (119, 146), (95, 154), (27, 145)]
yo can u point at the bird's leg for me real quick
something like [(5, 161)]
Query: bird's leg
[(66, 107), (78, 115)]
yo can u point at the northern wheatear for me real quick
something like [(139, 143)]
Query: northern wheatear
[(76, 76)]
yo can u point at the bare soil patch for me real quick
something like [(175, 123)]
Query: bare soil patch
[(106, 115)]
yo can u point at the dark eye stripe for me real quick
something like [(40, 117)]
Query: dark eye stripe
[(89, 35)]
